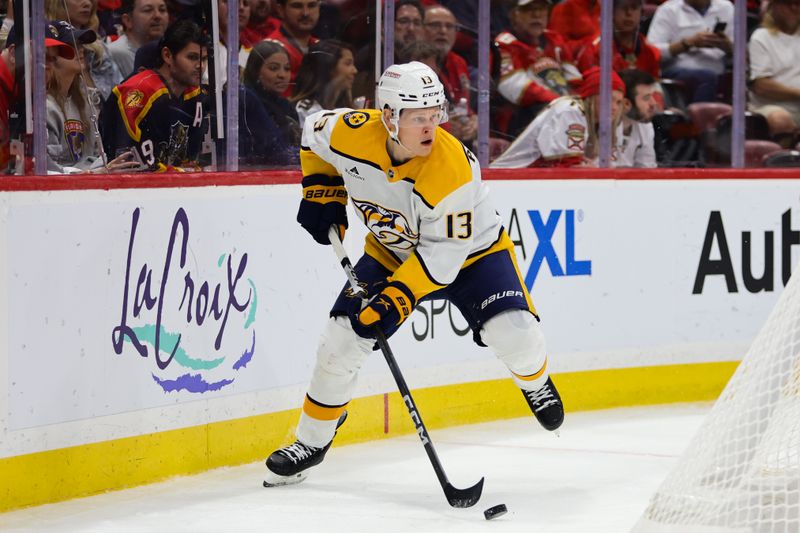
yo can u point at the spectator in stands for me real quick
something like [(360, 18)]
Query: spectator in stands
[(8, 97), (142, 21), (775, 70), (298, 18), (631, 49), (637, 143), (536, 65), (577, 21), (409, 16), (565, 133), (244, 51), (261, 23), (325, 79), (72, 141), (466, 11), (267, 73), (158, 113), (440, 30), (104, 72), (694, 38), (421, 51)]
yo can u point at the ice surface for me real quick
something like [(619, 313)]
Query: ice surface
[(597, 477)]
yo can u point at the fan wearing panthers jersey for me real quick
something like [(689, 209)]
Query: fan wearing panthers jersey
[(433, 233), (158, 113)]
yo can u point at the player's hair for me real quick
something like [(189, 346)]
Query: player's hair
[(178, 36), (315, 75), (632, 78), (258, 55)]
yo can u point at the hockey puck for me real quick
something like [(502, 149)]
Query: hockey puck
[(493, 512)]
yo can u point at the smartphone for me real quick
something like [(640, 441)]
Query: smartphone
[(719, 27)]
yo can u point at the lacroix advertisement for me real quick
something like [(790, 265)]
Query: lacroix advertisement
[(208, 303)]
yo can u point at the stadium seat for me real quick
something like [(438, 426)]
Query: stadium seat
[(704, 115), (717, 142), (782, 159), (755, 126), (756, 151), (674, 92)]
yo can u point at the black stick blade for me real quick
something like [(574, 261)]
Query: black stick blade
[(462, 498)]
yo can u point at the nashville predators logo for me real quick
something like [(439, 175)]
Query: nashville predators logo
[(135, 98), (355, 119), (390, 227)]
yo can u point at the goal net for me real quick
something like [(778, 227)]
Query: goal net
[(741, 471)]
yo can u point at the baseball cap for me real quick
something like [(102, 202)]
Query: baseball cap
[(64, 32), (590, 86)]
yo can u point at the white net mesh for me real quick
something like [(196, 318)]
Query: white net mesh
[(741, 472)]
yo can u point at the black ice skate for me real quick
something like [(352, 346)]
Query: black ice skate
[(546, 405), (290, 464)]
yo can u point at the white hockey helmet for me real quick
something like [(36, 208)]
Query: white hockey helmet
[(411, 85)]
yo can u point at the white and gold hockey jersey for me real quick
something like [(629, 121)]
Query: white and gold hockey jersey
[(427, 218)]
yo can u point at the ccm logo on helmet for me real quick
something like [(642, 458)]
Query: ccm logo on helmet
[(430, 94), (499, 295)]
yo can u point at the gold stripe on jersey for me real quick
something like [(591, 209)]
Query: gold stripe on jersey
[(528, 299), (446, 169), (532, 377), (319, 411), (311, 163), (414, 275)]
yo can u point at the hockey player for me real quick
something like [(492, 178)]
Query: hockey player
[(158, 113), (433, 233)]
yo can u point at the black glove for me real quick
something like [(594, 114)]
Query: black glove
[(323, 204), (386, 310)]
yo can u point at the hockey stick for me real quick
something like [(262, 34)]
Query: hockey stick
[(455, 497)]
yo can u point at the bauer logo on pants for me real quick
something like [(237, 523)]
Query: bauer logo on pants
[(190, 318)]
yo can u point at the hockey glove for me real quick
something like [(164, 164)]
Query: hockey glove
[(386, 310), (323, 204)]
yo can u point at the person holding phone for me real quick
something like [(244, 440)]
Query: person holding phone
[(694, 38), (775, 72)]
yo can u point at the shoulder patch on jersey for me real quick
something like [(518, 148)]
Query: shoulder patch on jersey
[(355, 119), (134, 99), (361, 137), (576, 133), (135, 96)]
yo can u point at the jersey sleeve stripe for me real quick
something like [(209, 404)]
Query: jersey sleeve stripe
[(364, 161)]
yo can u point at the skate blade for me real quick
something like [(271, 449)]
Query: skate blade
[(274, 480)]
